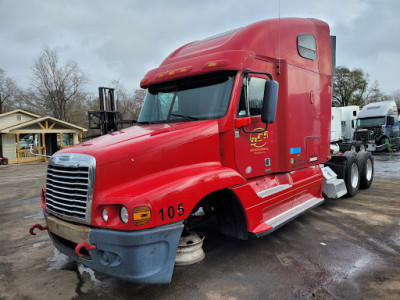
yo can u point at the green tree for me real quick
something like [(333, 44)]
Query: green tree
[(349, 86)]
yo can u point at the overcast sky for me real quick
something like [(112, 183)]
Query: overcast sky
[(122, 40)]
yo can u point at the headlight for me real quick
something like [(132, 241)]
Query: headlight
[(123, 213), (104, 215)]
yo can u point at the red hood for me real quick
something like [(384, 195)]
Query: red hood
[(137, 140)]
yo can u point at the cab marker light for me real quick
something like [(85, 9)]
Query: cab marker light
[(217, 63), (185, 69)]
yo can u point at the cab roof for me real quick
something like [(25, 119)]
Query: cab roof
[(268, 40)]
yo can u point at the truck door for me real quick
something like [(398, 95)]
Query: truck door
[(252, 141)]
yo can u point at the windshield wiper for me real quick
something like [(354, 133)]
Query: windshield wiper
[(183, 116), (144, 123)]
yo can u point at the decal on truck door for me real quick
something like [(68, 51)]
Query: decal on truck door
[(259, 140)]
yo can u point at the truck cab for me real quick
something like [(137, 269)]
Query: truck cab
[(379, 121), (236, 126)]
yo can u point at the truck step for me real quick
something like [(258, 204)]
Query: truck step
[(292, 213), (333, 187)]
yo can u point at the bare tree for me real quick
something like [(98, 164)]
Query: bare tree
[(395, 96), (374, 94), (8, 92), (127, 104), (57, 86)]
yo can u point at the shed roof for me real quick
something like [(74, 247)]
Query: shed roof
[(19, 111), (39, 120)]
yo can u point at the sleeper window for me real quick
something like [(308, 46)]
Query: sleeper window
[(306, 46)]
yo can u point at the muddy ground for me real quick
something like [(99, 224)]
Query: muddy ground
[(343, 249)]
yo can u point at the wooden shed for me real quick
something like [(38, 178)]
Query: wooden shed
[(20, 129)]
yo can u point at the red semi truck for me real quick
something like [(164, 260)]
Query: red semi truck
[(214, 134)]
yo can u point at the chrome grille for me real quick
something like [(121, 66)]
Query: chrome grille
[(69, 186), (362, 135)]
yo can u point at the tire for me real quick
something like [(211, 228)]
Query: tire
[(5, 161), (352, 173), (363, 147), (358, 146), (366, 162), (343, 148), (382, 140), (352, 147)]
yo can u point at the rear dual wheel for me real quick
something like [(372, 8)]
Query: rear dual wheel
[(352, 173), (366, 163), (359, 171), (353, 147)]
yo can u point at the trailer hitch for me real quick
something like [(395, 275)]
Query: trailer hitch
[(40, 227), (84, 245)]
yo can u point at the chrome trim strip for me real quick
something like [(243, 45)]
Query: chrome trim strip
[(68, 199), (273, 190), (68, 183), (293, 212)]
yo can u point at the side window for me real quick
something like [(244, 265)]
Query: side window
[(254, 93), (306, 46)]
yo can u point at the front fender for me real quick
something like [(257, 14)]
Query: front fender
[(172, 194)]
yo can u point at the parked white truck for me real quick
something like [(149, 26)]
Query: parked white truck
[(343, 125)]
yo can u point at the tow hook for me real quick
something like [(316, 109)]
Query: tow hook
[(40, 227), (84, 245)]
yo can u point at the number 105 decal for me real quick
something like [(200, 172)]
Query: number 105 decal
[(170, 212)]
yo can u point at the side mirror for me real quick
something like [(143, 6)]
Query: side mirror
[(270, 101)]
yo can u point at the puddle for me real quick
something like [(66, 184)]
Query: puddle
[(37, 245), (38, 215), (58, 260), (387, 165), (82, 269)]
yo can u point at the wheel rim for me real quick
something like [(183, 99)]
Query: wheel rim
[(354, 175), (353, 148), (362, 147), (368, 169)]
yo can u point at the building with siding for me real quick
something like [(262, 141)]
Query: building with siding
[(21, 130)]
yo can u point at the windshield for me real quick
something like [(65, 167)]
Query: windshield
[(204, 97), (371, 122)]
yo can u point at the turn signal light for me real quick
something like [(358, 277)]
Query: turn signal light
[(141, 215)]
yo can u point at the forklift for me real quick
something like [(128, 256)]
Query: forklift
[(107, 119)]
